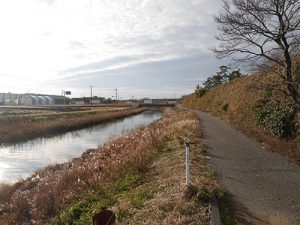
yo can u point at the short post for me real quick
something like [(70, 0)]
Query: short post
[(187, 143)]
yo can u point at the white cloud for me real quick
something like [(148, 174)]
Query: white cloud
[(42, 40)]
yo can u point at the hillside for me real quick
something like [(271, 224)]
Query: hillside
[(234, 102)]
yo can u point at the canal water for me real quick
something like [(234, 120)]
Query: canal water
[(21, 160)]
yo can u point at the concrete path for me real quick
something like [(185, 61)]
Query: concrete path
[(262, 186)]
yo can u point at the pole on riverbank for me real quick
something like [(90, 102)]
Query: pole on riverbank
[(187, 143)]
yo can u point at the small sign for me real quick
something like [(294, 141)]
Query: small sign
[(68, 92)]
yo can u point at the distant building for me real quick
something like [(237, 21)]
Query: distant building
[(29, 100), (96, 101), (147, 101), (42, 100), (50, 100), (87, 101), (10, 98), (78, 102), (37, 99), (171, 102)]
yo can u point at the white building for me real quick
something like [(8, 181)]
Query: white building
[(42, 100), (10, 98), (147, 101), (79, 102), (171, 102), (32, 99), (96, 101), (29, 100), (49, 100)]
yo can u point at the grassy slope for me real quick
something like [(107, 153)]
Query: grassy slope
[(159, 200), (240, 96), (139, 175)]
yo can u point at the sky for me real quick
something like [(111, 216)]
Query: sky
[(144, 48)]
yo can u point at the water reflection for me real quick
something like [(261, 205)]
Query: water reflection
[(19, 161)]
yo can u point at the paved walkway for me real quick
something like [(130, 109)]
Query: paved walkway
[(262, 186)]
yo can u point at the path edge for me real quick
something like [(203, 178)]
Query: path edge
[(215, 218)]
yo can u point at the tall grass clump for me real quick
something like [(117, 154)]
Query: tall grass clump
[(6, 191)]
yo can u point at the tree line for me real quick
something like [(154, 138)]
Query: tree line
[(225, 75)]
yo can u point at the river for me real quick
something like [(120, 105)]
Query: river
[(21, 160)]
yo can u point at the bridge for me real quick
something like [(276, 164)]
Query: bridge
[(157, 105)]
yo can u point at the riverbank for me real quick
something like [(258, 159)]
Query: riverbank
[(140, 176), (21, 127)]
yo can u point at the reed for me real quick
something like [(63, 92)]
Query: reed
[(16, 129)]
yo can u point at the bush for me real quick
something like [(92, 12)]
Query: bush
[(278, 118), (204, 195), (200, 91), (225, 107)]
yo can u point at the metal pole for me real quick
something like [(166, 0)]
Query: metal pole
[(187, 165), (187, 161), (62, 97), (91, 95)]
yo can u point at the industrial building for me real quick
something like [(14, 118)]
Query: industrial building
[(88, 101), (32, 99), (9, 98)]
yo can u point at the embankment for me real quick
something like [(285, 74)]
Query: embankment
[(233, 102), (140, 176), (21, 128)]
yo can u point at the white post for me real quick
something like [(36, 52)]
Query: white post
[(187, 161)]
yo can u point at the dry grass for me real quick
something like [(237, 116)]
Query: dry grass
[(53, 190), (160, 200), (240, 95), (6, 191), (14, 129)]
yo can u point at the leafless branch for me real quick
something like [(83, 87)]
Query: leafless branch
[(261, 31)]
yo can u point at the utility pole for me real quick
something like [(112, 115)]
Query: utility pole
[(62, 97), (91, 95), (116, 93)]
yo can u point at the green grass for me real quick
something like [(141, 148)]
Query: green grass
[(97, 200), (226, 212)]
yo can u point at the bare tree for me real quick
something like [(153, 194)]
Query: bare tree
[(262, 32)]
